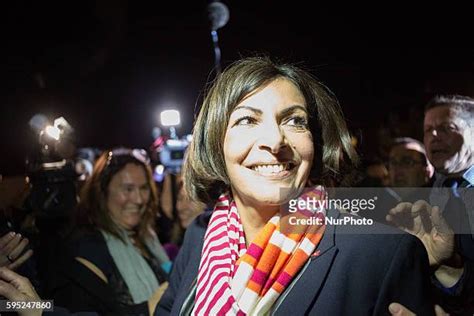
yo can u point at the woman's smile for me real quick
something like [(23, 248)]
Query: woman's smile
[(268, 146), (274, 170)]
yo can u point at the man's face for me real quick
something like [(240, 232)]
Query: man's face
[(408, 166), (449, 140)]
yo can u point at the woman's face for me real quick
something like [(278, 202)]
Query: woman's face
[(128, 196), (268, 147)]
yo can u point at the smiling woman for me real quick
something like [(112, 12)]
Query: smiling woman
[(268, 133), (268, 146), (129, 193), (115, 264)]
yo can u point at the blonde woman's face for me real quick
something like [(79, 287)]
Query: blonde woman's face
[(268, 146), (128, 196)]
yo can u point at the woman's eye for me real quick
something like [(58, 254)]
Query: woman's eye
[(246, 120), (127, 190), (298, 121)]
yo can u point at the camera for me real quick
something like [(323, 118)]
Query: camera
[(169, 150), (50, 169), (172, 153)]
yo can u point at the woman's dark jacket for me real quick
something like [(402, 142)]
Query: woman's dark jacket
[(79, 289), (355, 270)]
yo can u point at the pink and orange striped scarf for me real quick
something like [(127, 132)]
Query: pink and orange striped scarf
[(234, 280)]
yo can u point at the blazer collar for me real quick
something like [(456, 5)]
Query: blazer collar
[(309, 281), (307, 284)]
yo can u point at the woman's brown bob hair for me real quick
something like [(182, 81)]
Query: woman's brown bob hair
[(92, 208), (205, 171)]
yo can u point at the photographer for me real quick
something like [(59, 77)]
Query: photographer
[(177, 209)]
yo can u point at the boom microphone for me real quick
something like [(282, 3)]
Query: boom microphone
[(218, 15)]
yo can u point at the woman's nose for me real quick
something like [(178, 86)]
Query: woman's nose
[(271, 138), (136, 196)]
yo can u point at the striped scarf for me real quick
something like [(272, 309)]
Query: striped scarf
[(233, 280)]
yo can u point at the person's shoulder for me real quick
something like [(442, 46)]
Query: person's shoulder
[(375, 246), (197, 229), (357, 232), (86, 237), (88, 243), (194, 238), (199, 224)]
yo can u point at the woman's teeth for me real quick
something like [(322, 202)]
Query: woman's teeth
[(270, 169)]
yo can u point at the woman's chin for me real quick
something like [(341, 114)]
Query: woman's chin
[(275, 199)]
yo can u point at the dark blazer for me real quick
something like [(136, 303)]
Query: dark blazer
[(355, 270), (78, 289)]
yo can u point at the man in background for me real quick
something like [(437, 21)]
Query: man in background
[(446, 224)]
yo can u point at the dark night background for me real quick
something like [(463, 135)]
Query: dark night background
[(109, 67)]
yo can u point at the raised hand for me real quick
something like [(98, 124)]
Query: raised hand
[(426, 222), (12, 246), (15, 287), (396, 309)]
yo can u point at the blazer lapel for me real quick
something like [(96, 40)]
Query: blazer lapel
[(306, 286)]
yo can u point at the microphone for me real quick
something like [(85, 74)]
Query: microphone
[(218, 13)]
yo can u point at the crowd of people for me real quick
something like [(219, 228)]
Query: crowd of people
[(268, 133)]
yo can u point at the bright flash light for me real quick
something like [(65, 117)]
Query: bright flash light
[(159, 169), (170, 118), (52, 132), (62, 124)]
